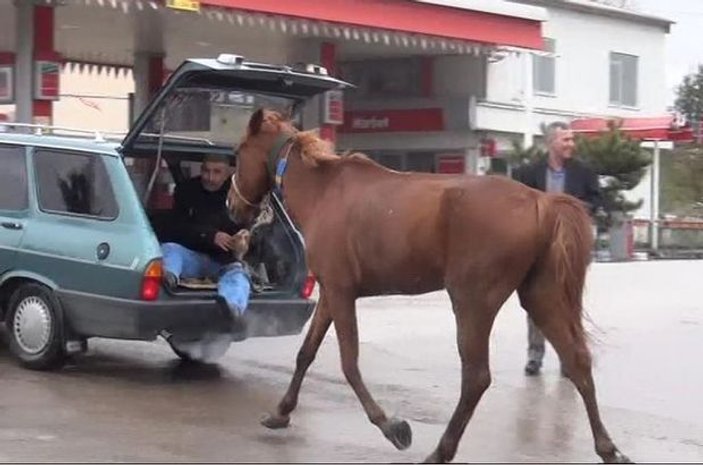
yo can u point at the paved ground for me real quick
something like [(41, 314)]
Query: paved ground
[(128, 401)]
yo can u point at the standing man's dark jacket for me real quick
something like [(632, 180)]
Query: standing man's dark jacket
[(199, 215), (580, 181)]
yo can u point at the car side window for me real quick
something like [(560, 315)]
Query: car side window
[(13, 179), (73, 183)]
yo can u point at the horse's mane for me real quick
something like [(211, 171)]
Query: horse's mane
[(316, 151)]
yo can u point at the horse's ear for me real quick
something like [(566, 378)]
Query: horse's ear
[(257, 119)]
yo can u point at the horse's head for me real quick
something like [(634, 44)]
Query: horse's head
[(255, 173)]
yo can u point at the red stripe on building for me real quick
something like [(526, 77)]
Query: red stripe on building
[(402, 15), (44, 50), (645, 128)]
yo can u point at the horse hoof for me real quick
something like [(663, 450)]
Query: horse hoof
[(432, 458), (398, 432), (275, 421), (619, 457)]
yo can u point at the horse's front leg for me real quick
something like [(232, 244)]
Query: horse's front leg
[(343, 309), (316, 333)]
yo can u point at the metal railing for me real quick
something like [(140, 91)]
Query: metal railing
[(98, 136), (46, 130)]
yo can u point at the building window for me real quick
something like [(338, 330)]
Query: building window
[(623, 79), (75, 184), (544, 70), (13, 179)]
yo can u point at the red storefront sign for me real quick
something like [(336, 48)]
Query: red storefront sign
[(414, 120), (451, 165), (7, 85), (333, 107), (46, 80), (488, 147)]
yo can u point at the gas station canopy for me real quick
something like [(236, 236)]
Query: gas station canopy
[(152, 37), (110, 32)]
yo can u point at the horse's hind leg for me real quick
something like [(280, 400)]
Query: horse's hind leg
[(316, 333), (563, 328), (474, 321), (344, 316)]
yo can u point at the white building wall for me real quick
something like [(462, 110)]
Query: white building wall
[(584, 42), (583, 45)]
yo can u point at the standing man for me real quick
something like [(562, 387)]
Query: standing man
[(205, 241), (560, 172)]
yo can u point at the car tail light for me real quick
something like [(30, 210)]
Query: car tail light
[(308, 287), (151, 283)]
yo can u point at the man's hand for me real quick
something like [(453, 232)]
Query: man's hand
[(239, 244), (223, 240)]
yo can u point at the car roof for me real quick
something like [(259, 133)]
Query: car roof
[(96, 144)]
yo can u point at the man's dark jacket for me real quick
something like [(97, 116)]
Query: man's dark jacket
[(580, 181), (199, 215)]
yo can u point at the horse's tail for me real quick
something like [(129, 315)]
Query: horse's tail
[(568, 236)]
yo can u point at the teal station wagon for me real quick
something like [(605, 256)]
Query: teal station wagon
[(80, 231)]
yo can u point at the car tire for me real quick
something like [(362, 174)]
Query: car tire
[(35, 327)]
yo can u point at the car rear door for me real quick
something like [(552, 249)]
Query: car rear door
[(78, 238), (230, 81), (14, 203)]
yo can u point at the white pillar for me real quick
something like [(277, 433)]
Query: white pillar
[(528, 93), (654, 199), (24, 24), (471, 157)]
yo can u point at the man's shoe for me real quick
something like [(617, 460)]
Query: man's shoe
[(532, 368), (238, 325)]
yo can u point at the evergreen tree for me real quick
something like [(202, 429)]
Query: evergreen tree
[(689, 97), (682, 171), (620, 162), (519, 155), (682, 181)]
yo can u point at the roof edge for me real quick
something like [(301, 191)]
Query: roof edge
[(534, 13), (602, 10)]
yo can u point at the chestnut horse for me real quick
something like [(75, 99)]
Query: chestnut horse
[(372, 231)]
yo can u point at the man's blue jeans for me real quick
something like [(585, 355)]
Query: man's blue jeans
[(232, 280)]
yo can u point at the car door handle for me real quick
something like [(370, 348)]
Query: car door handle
[(11, 225)]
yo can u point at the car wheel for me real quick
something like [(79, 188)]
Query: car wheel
[(35, 327)]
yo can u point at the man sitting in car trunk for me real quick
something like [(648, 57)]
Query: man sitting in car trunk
[(205, 238)]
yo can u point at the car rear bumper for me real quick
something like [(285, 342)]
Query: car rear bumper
[(91, 315)]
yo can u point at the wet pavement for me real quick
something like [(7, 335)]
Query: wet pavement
[(133, 401)]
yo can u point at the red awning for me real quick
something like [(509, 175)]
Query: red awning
[(406, 16), (666, 128)]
